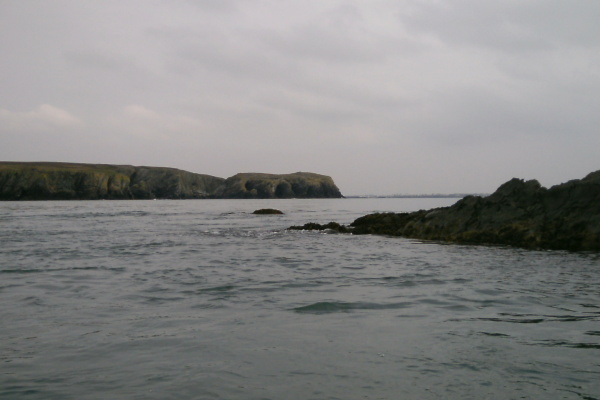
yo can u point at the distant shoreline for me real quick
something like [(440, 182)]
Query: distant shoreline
[(75, 181), (418, 196)]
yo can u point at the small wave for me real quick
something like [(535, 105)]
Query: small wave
[(301, 285), (564, 343), (155, 299), (589, 305), (224, 288), (530, 319), (408, 280), (43, 270), (208, 306), (494, 334), (514, 320), (34, 301), (240, 233), (99, 215), (20, 271), (326, 307), (355, 268)]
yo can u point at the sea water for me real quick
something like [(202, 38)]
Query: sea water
[(201, 299)]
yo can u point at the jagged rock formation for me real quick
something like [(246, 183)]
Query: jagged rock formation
[(267, 186), (329, 227), (68, 181), (520, 213)]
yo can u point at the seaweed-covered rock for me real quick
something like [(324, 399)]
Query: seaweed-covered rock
[(330, 227), (520, 213)]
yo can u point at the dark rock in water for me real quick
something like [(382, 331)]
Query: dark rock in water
[(67, 181), (520, 213), (331, 227), (267, 211)]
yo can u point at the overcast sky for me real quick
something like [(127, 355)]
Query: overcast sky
[(403, 96)]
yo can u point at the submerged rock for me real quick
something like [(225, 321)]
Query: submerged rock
[(520, 213)]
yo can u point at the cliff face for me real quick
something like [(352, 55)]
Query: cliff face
[(267, 186), (63, 181), (520, 213), (169, 183)]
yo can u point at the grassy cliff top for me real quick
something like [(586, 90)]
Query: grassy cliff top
[(308, 176), (63, 166), (46, 166)]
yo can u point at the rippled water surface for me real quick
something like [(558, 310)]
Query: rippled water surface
[(203, 300)]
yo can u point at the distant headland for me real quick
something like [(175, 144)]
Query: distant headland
[(71, 181), (519, 213)]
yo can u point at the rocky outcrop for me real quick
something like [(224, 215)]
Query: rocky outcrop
[(331, 227), (67, 181), (268, 186), (520, 213)]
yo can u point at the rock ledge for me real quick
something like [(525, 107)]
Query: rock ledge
[(520, 213)]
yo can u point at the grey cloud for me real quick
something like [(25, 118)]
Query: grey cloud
[(220, 6), (329, 44), (280, 77), (510, 26), (386, 96), (94, 60)]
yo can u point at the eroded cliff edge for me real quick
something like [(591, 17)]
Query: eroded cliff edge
[(70, 181), (520, 213)]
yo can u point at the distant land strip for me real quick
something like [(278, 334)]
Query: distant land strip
[(418, 196), (73, 181)]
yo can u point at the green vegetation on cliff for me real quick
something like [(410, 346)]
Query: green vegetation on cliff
[(520, 213), (69, 181), (66, 181)]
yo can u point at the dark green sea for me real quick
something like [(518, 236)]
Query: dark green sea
[(201, 299)]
